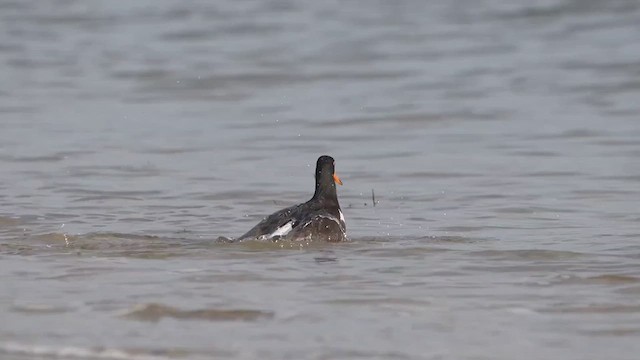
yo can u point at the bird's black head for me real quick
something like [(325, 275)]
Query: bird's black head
[(326, 179)]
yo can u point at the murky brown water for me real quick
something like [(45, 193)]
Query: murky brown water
[(502, 140)]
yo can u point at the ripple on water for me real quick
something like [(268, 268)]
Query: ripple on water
[(604, 279), (156, 312), (149, 246), (103, 244), (593, 309), (39, 309), (37, 351), (530, 254)]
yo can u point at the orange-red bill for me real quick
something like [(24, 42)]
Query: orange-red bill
[(337, 179)]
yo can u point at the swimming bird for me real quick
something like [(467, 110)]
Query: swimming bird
[(317, 219)]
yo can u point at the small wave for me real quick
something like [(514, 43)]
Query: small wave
[(156, 312), (604, 279), (595, 309), (530, 254), (30, 351), (39, 309)]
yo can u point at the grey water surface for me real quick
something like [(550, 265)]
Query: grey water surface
[(501, 138)]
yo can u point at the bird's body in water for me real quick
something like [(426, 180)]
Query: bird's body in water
[(317, 219)]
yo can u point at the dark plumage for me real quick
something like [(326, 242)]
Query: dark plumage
[(318, 219)]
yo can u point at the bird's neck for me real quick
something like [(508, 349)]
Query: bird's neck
[(327, 195)]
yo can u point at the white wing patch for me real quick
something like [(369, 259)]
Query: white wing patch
[(330, 217), (341, 216), (282, 230)]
